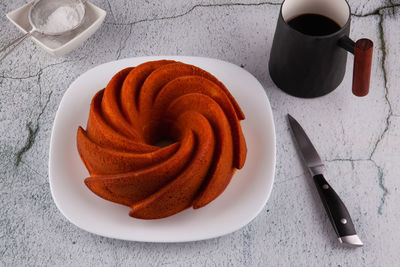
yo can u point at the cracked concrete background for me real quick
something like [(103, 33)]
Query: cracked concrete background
[(358, 137)]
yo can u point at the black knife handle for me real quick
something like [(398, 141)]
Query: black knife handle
[(335, 208)]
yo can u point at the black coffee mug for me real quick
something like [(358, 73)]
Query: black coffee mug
[(311, 65)]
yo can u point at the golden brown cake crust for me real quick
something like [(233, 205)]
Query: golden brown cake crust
[(156, 101)]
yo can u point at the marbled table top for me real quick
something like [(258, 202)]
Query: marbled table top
[(359, 138)]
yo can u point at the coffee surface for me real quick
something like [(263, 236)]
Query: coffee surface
[(313, 24)]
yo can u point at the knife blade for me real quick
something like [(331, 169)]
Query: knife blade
[(336, 210)]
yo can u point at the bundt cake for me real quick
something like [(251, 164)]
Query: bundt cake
[(139, 109)]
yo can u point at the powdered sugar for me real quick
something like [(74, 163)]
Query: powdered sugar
[(60, 20)]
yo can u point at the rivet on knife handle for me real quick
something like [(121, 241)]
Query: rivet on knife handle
[(337, 212)]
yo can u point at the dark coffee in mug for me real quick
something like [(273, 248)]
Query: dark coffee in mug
[(309, 51), (314, 24)]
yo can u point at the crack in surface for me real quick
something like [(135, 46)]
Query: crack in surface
[(39, 72), (123, 41), (32, 133), (18, 78), (28, 144), (381, 186), (32, 169), (393, 6), (195, 7), (346, 160), (291, 178), (383, 63), (111, 11), (377, 11), (380, 177), (385, 191)]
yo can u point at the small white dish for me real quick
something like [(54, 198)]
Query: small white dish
[(243, 199), (60, 45)]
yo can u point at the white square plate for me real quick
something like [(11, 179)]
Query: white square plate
[(60, 45), (243, 199)]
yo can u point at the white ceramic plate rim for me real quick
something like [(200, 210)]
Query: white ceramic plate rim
[(183, 233)]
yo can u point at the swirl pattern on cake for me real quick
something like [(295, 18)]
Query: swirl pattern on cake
[(156, 101)]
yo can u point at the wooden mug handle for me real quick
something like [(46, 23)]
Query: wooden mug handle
[(362, 66)]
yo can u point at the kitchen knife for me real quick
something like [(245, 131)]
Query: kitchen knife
[(334, 206)]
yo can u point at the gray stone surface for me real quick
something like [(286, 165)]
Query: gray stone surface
[(358, 137)]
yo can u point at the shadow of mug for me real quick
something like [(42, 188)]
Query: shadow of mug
[(309, 65)]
